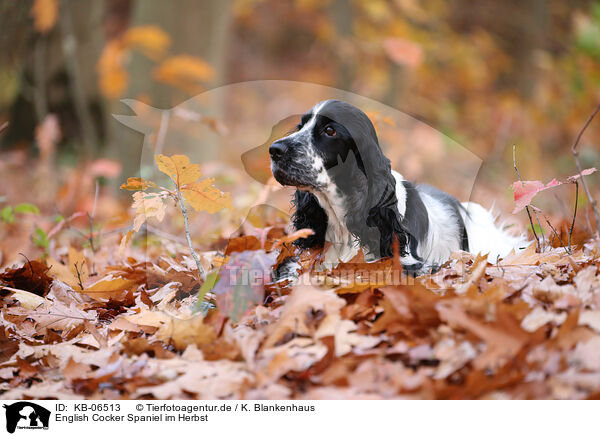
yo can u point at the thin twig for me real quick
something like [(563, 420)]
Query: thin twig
[(91, 234), (40, 102), (4, 126), (556, 234), (575, 153), (79, 273), (537, 241), (165, 235), (96, 199), (187, 231), (28, 263), (541, 228), (574, 214)]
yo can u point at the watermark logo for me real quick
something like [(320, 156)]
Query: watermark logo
[(24, 415)]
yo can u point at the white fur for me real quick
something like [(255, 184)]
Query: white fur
[(442, 237), (487, 237), (484, 234), (400, 192)]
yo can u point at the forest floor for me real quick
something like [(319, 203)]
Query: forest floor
[(99, 325)]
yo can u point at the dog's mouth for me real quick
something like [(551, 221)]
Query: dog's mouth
[(286, 178)]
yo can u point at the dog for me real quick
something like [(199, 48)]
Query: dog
[(348, 194)]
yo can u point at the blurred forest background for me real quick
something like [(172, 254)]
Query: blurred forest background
[(488, 74)]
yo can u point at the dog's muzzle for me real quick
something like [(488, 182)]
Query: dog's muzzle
[(289, 165)]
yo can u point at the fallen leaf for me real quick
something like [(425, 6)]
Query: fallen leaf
[(109, 287), (32, 277), (184, 332)]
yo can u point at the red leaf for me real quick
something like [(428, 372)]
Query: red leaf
[(525, 191)]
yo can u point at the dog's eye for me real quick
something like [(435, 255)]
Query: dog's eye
[(329, 131)]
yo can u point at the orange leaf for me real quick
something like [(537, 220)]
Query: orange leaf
[(184, 72), (109, 287), (150, 40), (179, 168), (137, 184), (298, 234), (113, 79), (204, 196), (44, 13)]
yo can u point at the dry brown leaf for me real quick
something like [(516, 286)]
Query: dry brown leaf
[(184, 332), (75, 370), (502, 343), (303, 300), (26, 299), (109, 287), (53, 315)]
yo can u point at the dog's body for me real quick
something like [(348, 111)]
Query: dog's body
[(349, 196)]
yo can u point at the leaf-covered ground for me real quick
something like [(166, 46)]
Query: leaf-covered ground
[(100, 325)]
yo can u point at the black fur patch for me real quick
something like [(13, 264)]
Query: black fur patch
[(416, 218), (309, 215)]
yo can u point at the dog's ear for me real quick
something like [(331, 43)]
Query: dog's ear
[(384, 225), (375, 218), (309, 215)]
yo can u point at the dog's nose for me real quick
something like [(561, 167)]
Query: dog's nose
[(277, 149)]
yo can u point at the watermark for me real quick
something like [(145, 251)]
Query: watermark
[(229, 130), (25, 415)]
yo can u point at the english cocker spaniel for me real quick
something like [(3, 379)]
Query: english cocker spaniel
[(348, 195)]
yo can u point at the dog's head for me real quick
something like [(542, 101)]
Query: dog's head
[(335, 155), (316, 154)]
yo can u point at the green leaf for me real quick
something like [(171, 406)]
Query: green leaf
[(207, 286), (40, 238), (27, 208), (7, 214), (58, 218)]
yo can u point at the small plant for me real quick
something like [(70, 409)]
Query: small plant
[(8, 213), (188, 189)]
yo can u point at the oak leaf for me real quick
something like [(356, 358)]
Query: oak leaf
[(183, 332), (178, 168), (109, 287), (204, 196), (147, 205)]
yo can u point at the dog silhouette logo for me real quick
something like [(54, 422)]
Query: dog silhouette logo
[(26, 415)]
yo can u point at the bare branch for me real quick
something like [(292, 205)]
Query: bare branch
[(537, 241), (574, 214), (575, 153)]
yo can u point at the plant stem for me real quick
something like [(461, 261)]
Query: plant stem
[(556, 234), (574, 214), (537, 241), (187, 232), (575, 153)]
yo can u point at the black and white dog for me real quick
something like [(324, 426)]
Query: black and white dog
[(348, 195)]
